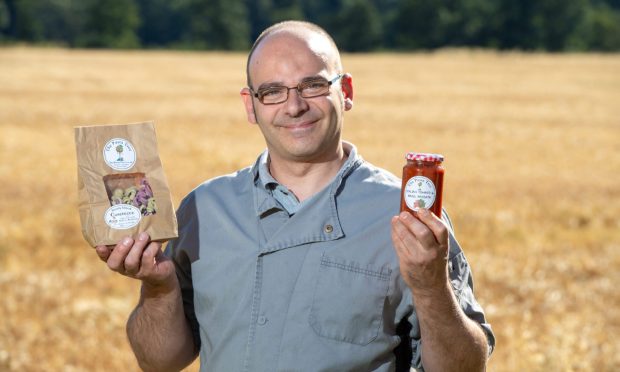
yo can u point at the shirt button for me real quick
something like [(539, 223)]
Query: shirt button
[(262, 320), (329, 228)]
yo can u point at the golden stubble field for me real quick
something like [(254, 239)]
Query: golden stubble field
[(532, 146)]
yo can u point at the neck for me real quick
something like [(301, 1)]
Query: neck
[(306, 178)]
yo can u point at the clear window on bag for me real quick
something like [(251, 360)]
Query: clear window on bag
[(132, 189)]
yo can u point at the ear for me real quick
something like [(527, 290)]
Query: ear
[(346, 82), (246, 96)]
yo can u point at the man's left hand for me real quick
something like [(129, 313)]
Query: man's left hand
[(422, 247)]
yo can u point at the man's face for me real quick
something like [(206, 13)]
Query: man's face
[(299, 129)]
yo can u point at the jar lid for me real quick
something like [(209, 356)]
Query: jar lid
[(420, 156)]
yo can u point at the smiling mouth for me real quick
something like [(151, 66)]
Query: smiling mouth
[(299, 126)]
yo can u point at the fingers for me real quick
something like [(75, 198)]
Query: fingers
[(416, 229), (126, 256), (103, 252), (404, 241), (116, 259), (422, 246), (424, 234), (147, 261), (435, 224), (133, 259), (137, 258)]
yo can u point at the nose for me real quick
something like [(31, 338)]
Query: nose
[(296, 105)]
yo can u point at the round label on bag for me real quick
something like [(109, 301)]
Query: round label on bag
[(420, 193), (122, 216), (119, 154)]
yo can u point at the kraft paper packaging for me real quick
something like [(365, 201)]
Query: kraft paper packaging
[(122, 188)]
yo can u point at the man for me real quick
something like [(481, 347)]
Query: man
[(298, 262)]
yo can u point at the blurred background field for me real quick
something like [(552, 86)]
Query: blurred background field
[(532, 146)]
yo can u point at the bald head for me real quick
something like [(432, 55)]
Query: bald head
[(315, 38)]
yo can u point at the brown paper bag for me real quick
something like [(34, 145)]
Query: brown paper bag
[(122, 188)]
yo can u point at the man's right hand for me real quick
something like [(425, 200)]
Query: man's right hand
[(140, 259), (158, 330)]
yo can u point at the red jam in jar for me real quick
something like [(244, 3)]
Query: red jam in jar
[(422, 183)]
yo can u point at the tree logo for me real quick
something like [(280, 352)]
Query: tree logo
[(119, 149)]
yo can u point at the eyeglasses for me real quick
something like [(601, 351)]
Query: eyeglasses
[(308, 88)]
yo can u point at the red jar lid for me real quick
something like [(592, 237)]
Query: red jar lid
[(420, 156)]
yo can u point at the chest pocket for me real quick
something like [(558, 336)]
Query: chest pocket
[(348, 300)]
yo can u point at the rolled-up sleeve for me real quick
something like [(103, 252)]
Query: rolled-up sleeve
[(463, 286)]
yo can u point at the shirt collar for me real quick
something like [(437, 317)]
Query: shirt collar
[(264, 176), (264, 182)]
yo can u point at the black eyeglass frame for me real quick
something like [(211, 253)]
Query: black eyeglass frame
[(298, 87)]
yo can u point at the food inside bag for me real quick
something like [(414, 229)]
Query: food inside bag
[(122, 188)]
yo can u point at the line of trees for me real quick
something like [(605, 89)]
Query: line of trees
[(356, 25)]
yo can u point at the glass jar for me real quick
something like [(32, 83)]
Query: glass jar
[(422, 183)]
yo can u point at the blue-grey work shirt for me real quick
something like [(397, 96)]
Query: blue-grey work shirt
[(316, 290)]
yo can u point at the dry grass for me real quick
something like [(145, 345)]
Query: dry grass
[(532, 145)]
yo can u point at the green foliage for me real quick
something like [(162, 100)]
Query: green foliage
[(163, 22), (356, 25), (263, 13), (259, 19), (360, 27), (109, 24), (540, 25), (218, 24), (283, 10), (555, 21), (34, 19), (599, 30), (415, 25), (5, 20)]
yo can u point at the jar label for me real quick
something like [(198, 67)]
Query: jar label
[(420, 193)]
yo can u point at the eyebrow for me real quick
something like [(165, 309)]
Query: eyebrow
[(273, 84)]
